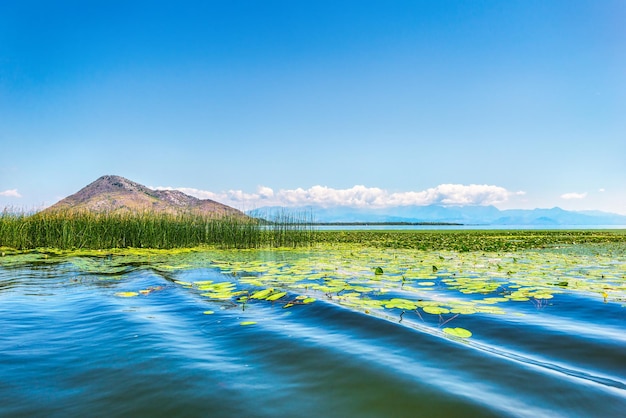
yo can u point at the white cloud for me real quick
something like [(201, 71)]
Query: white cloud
[(601, 190), (10, 193), (357, 196), (265, 192), (569, 196)]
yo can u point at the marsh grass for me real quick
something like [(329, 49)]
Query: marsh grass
[(287, 229), (76, 230)]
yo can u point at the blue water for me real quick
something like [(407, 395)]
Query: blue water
[(69, 346)]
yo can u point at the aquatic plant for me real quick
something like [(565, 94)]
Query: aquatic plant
[(469, 240), (76, 230), (464, 284)]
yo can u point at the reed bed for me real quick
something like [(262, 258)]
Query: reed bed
[(88, 230), (287, 229)]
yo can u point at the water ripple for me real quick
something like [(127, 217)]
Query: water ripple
[(70, 346)]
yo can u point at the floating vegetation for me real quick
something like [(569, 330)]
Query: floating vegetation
[(464, 284), (469, 240), (126, 294), (440, 288), (458, 332)]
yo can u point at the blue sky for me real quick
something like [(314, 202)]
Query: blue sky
[(520, 104)]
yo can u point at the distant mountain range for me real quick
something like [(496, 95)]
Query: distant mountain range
[(113, 194), (467, 215)]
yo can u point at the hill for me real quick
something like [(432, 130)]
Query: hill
[(113, 194)]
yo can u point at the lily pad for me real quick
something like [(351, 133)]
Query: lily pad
[(275, 296), (458, 332), (435, 310), (261, 294), (126, 294)]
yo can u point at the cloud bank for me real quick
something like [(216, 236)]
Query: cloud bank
[(357, 196), (570, 196), (10, 193)]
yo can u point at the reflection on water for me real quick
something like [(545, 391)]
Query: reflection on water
[(71, 346)]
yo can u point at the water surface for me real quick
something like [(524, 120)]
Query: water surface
[(73, 343)]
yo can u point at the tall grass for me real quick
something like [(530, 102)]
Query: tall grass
[(287, 229), (74, 230)]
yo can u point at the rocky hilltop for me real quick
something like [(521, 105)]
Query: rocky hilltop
[(113, 194)]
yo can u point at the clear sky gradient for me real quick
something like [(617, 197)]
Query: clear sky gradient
[(521, 104)]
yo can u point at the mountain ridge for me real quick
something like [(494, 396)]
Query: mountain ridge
[(468, 215)]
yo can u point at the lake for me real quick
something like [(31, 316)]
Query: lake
[(336, 331)]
